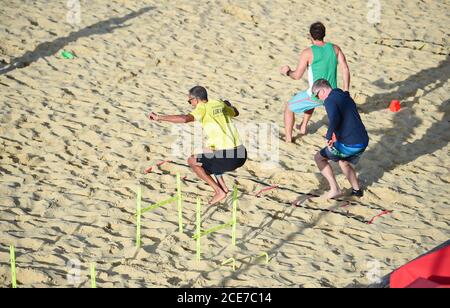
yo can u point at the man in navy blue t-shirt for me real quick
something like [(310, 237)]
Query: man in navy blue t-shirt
[(347, 137)]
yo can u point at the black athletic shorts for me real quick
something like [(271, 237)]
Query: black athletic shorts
[(222, 161)]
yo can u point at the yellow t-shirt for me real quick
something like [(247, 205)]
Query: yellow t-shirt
[(215, 117)]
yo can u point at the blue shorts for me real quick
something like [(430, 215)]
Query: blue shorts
[(342, 152), (303, 102)]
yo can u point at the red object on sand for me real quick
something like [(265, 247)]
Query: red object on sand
[(149, 169), (163, 162), (379, 215), (429, 271), (266, 189), (345, 204), (395, 106)]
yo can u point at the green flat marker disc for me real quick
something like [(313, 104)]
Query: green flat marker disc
[(67, 55)]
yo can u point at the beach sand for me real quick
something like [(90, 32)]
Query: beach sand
[(75, 140)]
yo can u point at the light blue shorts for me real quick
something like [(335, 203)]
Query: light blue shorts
[(302, 102)]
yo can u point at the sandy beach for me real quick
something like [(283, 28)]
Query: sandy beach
[(75, 140)]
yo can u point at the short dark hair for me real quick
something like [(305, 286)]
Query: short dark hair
[(318, 31), (199, 92), (320, 84)]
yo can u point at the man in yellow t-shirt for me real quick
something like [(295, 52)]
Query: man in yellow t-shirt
[(227, 152)]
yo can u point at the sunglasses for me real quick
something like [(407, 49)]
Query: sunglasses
[(316, 95), (190, 100)]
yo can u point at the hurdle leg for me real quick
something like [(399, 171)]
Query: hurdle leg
[(199, 222), (138, 217), (180, 204), (233, 221)]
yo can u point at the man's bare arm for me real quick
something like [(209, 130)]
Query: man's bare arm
[(179, 119), (301, 67), (345, 70)]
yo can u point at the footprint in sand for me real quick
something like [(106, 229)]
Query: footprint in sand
[(240, 13)]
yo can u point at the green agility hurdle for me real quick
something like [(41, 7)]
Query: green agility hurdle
[(199, 233), (139, 211), (12, 257)]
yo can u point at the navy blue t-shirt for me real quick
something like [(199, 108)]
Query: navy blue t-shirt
[(345, 120)]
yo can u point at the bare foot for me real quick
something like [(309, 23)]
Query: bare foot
[(286, 138), (222, 184), (218, 197), (303, 130), (333, 194), (300, 201)]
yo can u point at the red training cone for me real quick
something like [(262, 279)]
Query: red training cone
[(395, 106)]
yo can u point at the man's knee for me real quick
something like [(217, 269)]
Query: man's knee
[(344, 164), (319, 158), (192, 161)]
